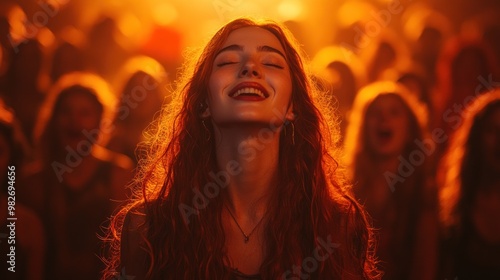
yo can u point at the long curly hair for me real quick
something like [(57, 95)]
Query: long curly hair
[(464, 165), (312, 199)]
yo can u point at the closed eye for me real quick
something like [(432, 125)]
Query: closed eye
[(226, 63), (274, 65)]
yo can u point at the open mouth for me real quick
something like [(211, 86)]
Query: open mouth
[(384, 134), (249, 92)]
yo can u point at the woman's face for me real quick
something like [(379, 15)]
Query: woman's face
[(490, 138), (77, 117), (142, 98), (250, 80), (387, 126)]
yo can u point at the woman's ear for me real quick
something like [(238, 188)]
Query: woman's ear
[(290, 114), (205, 110)]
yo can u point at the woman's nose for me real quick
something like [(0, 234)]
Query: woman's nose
[(382, 116), (250, 69)]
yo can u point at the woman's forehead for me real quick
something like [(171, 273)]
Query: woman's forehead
[(78, 97), (388, 98), (252, 36)]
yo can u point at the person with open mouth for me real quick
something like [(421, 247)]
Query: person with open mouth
[(392, 178)]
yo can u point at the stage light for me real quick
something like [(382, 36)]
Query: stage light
[(164, 13), (290, 9)]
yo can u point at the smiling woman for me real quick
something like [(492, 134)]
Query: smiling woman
[(224, 194), (251, 66)]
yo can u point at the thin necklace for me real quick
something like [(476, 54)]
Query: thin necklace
[(246, 236)]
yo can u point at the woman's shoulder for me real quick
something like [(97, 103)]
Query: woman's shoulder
[(119, 170), (30, 225), (346, 221), (344, 207), (350, 222), (349, 229), (133, 242), (135, 217), (133, 220), (114, 159), (138, 212)]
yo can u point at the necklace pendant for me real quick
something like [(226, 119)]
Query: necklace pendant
[(246, 239)]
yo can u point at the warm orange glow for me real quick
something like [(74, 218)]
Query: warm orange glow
[(353, 11), (17, 19), (419, 16), (164, 14), (333, 53), (46, 37), (290, 9), (132, 31), (164, 44)]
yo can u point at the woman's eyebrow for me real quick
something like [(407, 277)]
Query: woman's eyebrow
[(264, 48), (230, 48), (270, 49)]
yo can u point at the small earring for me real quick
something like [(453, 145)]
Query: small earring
[(206, 128), (289, 123)]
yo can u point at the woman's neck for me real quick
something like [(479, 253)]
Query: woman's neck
[(255, 152), (80, 174), (382, 164)]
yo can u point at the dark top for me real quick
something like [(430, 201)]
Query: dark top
[(469, 257), (134, 259), (73, 220)]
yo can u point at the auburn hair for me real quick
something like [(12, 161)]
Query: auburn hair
[(311, 201), (464, 164)]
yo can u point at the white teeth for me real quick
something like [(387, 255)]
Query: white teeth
[(249, 90)]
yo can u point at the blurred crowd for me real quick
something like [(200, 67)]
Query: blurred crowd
[(418, 104)]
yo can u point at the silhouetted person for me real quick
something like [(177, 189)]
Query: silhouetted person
[(470, 194), (29, 241), (75, 184), (143, 83)]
